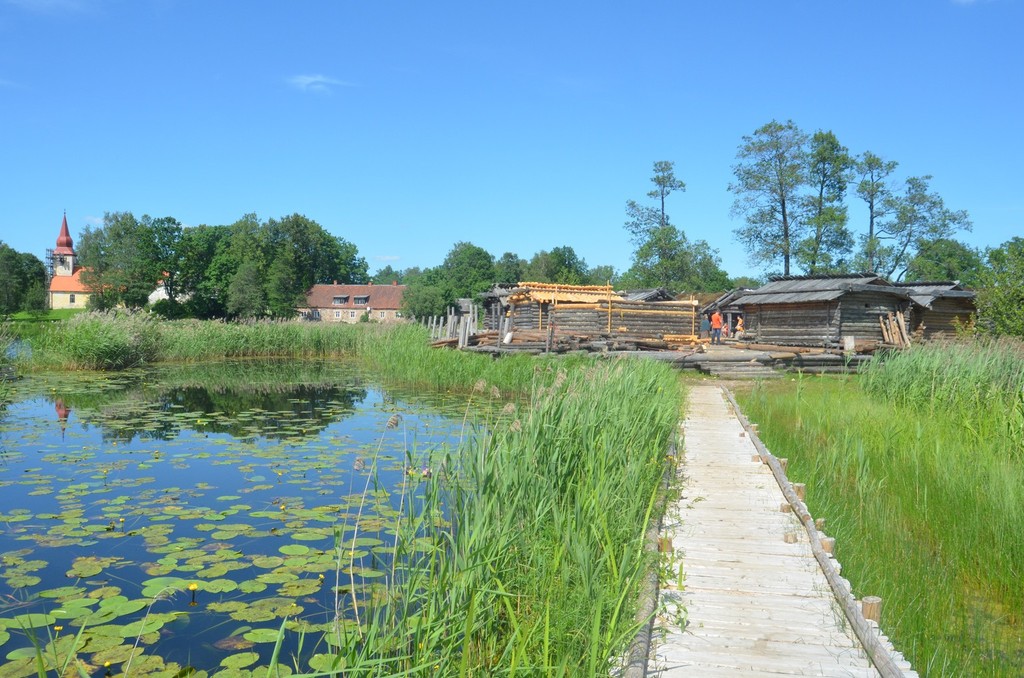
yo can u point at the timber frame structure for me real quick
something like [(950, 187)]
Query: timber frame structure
[(588, 311)]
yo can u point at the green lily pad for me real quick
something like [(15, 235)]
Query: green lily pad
[(240, 660), (63, 592), (162, 585), (262, 635)]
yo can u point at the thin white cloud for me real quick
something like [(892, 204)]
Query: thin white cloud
[(94, 221), (320, 84), (386, 257)]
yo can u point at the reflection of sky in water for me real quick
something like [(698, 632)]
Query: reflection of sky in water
[(71, 472)]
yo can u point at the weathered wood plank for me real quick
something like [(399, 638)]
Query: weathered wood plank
[(754, 604)]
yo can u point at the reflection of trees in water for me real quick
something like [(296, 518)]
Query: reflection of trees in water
[(243, 399)]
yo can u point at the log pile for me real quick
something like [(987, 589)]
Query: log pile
[(894, 329), (551, 341)]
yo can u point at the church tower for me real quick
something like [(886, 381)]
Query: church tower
[(64, 254), (66, 287)]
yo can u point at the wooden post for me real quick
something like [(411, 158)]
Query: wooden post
[(819, 524), (784, 463), (801, 491), (790, 538), (785, 507), (828, 544), (871, 608)]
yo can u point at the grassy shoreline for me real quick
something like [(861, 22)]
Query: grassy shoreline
[(917, 464)]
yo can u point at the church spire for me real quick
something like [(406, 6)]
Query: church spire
[(64, 242)]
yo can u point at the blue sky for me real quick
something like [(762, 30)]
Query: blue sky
[(406, 127)]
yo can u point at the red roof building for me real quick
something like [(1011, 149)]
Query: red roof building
[(348, 303)]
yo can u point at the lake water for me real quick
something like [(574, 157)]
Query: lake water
[(181, 515)]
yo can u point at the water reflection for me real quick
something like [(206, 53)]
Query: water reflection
[(241, 479), (63, 411)]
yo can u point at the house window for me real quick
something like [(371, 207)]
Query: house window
[(398, 314), (71, 298), (382, 314), (338, 301), (337, 314), (362, 301), (351, 314)]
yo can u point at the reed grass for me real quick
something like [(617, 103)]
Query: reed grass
[(924, 495), (539, 568), (396, 352)]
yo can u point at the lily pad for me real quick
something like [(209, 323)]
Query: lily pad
[(262, 635)]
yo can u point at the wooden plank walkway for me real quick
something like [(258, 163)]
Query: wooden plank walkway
[(740, 600)]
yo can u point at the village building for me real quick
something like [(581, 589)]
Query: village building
[(850, 311), (66, 288), (941, 309), (349, 303)]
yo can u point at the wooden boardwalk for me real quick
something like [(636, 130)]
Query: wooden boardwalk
[(740, 600)]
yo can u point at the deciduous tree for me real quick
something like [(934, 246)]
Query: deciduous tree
[(918, 216), (126, 257), (828, 243), (873, 189), (664, 257), (560, 265), (20, 273), (1001, 296), (947, 259), (770, 174)]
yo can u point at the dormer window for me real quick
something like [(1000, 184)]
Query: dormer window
[(362, 301), (339, 300)]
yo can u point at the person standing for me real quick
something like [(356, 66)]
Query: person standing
[(716, 327), (705, 327)]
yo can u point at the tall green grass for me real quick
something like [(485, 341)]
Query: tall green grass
[(110, 341), (539, 568), (922, 484)]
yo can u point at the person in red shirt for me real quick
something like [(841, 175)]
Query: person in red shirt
[(716, 327)]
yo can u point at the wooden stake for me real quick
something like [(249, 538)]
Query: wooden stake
[(790, 538), (828, 544), (801, 491), (784, 463), (785, 507), (819, 524), (871, 608)]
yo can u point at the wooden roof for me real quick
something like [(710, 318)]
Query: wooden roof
[(803, 289)]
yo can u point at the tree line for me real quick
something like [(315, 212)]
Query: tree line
[(790, 188)]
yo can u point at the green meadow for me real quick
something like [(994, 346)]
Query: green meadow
[(918, 466)]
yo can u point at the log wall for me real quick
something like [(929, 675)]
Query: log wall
[(940, 321), (636, 319), (805, 324), (860, 312)]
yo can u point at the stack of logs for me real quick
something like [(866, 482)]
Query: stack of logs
[(551, 341), (894, 329)]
